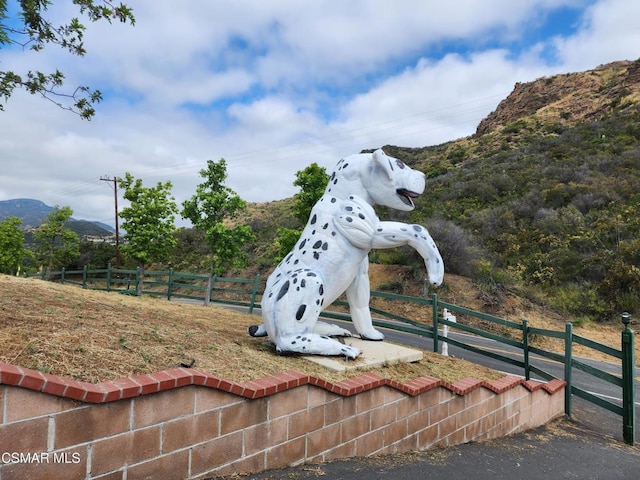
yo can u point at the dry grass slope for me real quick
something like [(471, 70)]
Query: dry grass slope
[(96, 336)]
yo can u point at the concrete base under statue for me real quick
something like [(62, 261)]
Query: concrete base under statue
[(374, 354)]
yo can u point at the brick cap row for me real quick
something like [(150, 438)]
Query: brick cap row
[(114, 390)]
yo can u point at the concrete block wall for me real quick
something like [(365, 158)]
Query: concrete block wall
[(187, 424)]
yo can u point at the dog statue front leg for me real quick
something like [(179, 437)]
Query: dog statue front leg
[(396, 234), (358, 294)]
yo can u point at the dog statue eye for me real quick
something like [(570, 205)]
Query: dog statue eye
[(400, 164)]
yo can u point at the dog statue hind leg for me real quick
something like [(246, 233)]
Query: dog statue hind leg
[(290, 317)]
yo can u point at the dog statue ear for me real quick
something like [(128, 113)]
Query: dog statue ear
[(384, 162)]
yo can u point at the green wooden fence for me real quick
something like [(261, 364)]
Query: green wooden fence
[(167, 283), (518, 335)]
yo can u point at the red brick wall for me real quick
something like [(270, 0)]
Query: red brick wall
[(183, 423)]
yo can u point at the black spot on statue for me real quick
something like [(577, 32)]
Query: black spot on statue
[(283, 290), (300, 311), (252, 330)]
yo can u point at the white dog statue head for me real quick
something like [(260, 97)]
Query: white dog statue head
[(379, 179)]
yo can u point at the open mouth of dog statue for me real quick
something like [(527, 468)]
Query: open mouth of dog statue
[(331, 256)]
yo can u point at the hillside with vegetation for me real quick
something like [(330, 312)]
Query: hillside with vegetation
[(543, 200)]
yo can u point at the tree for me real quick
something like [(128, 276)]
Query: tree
[(312, 181), (29, 28), (56, 245), (213, 205), (148, 221), (12, 250)]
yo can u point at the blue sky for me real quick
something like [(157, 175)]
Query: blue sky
[(273, 86)]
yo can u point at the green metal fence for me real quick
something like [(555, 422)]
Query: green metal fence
[(518, 335)]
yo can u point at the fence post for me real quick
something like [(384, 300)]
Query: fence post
[(434, 302), (446, 314), (525, 349), (109, 277), (84, 276), (211, 286), (62, 275), (568, 360), (256, 284), (628, 387), (137, 280), (170, 283)]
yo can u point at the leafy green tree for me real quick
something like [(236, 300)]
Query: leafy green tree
[(148, 221), (29, 27), (312, 181), (56, 245), (213, 210), (12, 250)]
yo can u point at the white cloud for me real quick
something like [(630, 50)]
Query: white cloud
[(275, 86), (609, 32)]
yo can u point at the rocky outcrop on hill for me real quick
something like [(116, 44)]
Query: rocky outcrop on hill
[(570, 98)]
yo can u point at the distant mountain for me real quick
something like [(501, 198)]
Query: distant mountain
[(33, 212), (30, 212)]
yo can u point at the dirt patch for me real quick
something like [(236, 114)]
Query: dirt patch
[(95, 336)]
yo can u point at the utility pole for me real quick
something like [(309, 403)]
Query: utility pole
[(106, 178)]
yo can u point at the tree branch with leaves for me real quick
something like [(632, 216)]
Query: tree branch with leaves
[(29, 28)]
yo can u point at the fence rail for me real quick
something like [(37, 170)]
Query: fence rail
[(167, 283), (516, 335)]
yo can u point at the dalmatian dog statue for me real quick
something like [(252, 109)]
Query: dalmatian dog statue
[(331, 256)]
